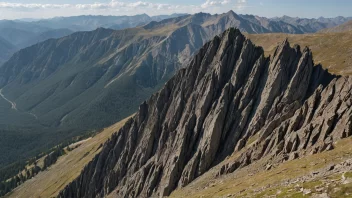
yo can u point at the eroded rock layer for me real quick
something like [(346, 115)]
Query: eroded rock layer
[(229, 93)]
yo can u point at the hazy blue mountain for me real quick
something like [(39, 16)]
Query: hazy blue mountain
[(162, 17), (91, 22), (16, 36), (312, 25), (13, 39), (6, 50), (22, 25), (26, 32), (50, 34)]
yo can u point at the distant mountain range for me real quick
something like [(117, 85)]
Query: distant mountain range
[(91, 22), (25, 33), (90, 79), (340, 28)]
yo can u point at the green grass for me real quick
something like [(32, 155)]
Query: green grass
[(252, 139), (348, 174)]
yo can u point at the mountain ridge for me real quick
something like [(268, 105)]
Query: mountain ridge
[(23, 34), (115, 70), (206, 113), (17, 32)]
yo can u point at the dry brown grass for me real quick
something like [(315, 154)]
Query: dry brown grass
[(253, 177), (332, 50), (49, 183)]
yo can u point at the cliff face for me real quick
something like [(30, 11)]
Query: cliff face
[(228, 94)]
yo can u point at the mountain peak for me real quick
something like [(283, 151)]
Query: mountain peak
[(208, 110), (231, 12), (144, 15)]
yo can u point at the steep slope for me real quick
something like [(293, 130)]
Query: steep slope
[(52, 80), (209, 110), (90, 80), (341, 28), (100, 65)]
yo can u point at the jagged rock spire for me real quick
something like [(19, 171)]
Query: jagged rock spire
[(229, 92)]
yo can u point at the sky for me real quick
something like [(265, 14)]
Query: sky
[(18, 9)]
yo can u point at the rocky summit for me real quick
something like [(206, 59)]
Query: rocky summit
[(230, 99)]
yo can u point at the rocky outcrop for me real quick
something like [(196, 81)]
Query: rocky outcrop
[(228, 94)]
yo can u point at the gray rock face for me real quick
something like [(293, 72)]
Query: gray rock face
[(207, 111)]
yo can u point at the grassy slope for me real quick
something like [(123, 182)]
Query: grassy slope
[(68, 167), (245, 182), (332, 50)]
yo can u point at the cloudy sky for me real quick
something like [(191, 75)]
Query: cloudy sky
[(15, 9)]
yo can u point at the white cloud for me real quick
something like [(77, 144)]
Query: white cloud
[(32, 5), (240, 5), (210, 3), (111, 5)]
